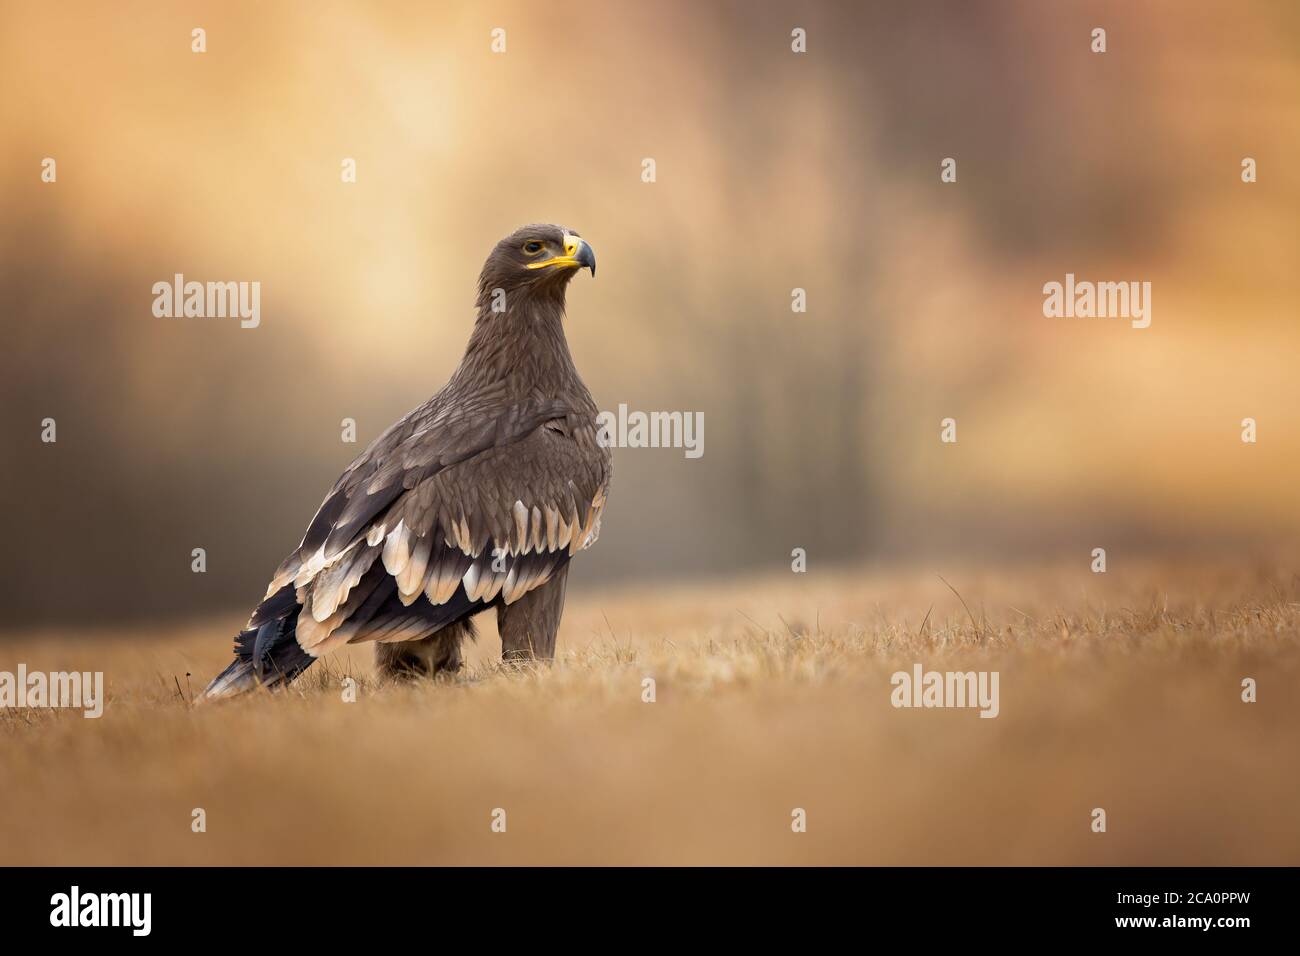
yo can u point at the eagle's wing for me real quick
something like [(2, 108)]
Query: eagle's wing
[(446, 512)]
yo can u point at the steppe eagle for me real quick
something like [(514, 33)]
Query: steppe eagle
[(478, 498)]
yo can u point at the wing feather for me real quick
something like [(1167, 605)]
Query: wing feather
[(406, 541)]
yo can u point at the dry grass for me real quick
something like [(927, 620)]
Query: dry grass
[(1119, 690)]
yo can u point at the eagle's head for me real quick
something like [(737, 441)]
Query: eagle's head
[(535, 260)]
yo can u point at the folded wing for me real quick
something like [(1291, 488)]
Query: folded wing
[(446, 513)]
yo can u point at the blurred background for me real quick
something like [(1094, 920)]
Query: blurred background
[(774, 171)]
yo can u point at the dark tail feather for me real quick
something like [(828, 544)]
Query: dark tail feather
[(266, 655)]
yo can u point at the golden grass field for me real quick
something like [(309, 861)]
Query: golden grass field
[(1119, 691)]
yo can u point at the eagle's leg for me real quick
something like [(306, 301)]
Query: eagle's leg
[(438, 654), (528, 627)]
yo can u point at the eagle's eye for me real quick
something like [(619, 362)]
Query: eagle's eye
[(532, 247)]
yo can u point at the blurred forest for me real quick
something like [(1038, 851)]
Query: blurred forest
[(775, 170)]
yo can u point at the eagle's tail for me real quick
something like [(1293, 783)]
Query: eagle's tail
[(267, 654)]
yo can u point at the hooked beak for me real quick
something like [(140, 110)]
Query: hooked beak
[(578, 254)]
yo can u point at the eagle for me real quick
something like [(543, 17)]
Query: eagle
[(476, 499)]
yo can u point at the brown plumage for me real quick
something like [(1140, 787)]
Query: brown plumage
[(478, 498)]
